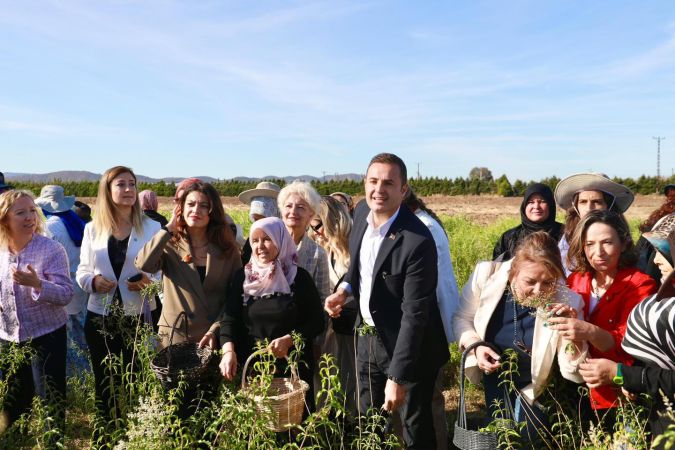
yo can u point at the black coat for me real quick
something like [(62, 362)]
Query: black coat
[(403, 296), (652, 380)]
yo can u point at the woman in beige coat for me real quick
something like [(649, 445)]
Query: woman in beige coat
[(506, 304), (197, 256)]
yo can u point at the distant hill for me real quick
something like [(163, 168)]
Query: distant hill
[(81, 175)]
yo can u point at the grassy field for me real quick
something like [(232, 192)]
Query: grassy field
[(471, 240)]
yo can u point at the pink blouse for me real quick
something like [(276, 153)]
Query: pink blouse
[(26, 312)]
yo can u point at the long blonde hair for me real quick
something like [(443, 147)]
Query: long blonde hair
[(337, 224), (7, 200), (107, 213)]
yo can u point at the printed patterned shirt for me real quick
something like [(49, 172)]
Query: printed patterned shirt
[(26, 312)]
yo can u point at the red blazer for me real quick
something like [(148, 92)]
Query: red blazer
[(629, 288)]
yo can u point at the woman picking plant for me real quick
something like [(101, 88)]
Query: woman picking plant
[(508, 304)]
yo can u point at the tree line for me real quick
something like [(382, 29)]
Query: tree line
[(478, 182)]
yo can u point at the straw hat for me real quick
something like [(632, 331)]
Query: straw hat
[(262, 189), (52, 200), (658, 236), (592, 181)]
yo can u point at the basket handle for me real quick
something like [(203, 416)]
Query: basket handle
[(262, 351), (461, 408), (173, 329)]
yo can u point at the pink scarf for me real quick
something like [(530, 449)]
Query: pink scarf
[(275, 277)]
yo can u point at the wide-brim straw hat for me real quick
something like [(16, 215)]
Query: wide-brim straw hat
[(53, 200), (658, 236), (592, 181), (262, 189)]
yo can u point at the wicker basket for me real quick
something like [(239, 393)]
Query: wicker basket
[(285, 399), (186, 358), (467, 433)]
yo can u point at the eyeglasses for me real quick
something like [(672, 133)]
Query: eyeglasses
[(317, 227)]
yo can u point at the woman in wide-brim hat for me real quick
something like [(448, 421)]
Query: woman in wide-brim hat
[(67, 228), (262, 203), (581, 193)]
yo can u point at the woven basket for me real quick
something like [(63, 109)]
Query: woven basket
[(285, 397), (467, 435), (186, 358)]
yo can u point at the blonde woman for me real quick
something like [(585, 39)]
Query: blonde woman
[(497, 306), (299, 203), (35, 287), (331, 228), (107, 273)]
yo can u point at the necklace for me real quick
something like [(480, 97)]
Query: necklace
[(598, 290), (519, 343)]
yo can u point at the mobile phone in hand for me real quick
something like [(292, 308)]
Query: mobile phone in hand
[(135, 278)]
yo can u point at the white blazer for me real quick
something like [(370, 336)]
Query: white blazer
[(94, 260), (480, 297)]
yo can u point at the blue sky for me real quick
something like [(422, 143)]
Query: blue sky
[(253, 88)]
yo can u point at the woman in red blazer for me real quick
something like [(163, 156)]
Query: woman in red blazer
[(605, 276)]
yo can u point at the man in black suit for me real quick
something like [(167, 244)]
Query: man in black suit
[(392, 275)]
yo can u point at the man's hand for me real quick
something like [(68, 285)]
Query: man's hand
[(335, 302), (394, 396)]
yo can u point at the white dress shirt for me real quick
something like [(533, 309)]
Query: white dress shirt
[(370, 247)]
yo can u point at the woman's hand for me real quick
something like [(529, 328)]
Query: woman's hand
[(571, 328), (562, 310), (279, 346), (28, 278), (173, 222), (228, 364), (488, 359), (209, 339), (139, 285), (598, 372), (102, 285)]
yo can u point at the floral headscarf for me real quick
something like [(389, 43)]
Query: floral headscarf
[(278, 275)]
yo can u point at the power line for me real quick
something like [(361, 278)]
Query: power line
[(658, 140)]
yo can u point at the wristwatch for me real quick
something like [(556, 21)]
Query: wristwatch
[(618, 379)]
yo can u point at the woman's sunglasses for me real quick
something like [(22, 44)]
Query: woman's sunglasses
[(316, 227)]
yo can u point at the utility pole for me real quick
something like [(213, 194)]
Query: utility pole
[(324, 176), (658, 140), (418, 171)]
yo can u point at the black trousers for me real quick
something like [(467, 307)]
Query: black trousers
[(106, 336), (44, 375), (373, 365)]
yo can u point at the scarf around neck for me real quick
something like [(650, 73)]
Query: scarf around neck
[(277, 276)]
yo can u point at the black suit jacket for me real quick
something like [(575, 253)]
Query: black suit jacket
[(403, 297)]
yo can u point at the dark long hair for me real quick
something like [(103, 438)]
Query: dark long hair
[(217, 231)]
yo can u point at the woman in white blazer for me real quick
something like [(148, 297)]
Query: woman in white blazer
[(493, 309), (107, 273)]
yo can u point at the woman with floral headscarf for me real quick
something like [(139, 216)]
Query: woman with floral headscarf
[(270, 298)]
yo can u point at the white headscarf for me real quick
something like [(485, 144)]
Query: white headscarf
[(263, 206), (278, 275)]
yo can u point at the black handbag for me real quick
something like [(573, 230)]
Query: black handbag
[(468, 435)]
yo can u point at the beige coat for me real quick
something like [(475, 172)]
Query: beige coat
[(183, 290), (480, 297)]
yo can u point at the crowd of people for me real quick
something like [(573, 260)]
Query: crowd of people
[(371, 283)]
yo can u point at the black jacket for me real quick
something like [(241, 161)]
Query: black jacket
[(403, 296)]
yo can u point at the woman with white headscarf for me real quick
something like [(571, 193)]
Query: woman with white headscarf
[(270, 298), (262, 203)]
